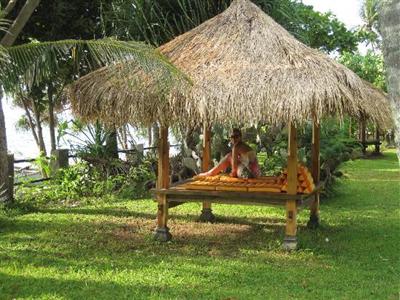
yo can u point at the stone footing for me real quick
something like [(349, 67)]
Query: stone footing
[(290, 243), (162, 234), (207, 216), (313, 223)]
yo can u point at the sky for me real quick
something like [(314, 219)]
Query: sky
[(23, 145), (347, 11)]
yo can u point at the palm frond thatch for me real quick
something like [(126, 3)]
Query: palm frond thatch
[(378, 109), (247, 69), (124, 93)]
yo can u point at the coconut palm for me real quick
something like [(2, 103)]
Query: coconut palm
[(369, 14)]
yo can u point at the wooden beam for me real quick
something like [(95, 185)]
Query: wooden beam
[(290, 241), (234, 195), (206, 212), (162, 231), (315, 156)]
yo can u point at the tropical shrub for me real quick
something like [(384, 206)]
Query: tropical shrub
[(81, 182)]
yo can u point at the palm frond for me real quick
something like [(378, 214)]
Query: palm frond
[(32, 63), (4, 24)]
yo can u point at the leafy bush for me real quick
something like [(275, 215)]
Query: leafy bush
[(136, 184), (336, 145), (80, 182)]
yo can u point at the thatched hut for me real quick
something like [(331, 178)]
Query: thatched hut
[(246, 69)]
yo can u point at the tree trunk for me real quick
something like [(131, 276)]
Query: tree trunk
[(3, 150), (19, 23), (389, 19), (42, 145), (156, 135), (8, 40), (123, 137), (9, 7), (149, 135), (31, 124), (50, 95), (112, 144)]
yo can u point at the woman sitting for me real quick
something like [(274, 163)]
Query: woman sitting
[(242, 159)]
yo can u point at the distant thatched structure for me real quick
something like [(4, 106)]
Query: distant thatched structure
[(245, 69)]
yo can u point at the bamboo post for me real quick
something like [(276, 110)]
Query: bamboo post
[(290, 241), (315, 153), (206, 212), (162, 231)]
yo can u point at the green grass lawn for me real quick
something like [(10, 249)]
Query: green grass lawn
[(106, 251)]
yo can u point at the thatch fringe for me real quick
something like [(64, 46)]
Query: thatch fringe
[(125, 93)]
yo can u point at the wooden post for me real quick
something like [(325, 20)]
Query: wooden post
[(59, 160), (10, 183), (206, 213), (315, 153), (377, 141), (362, 136), (162, 231), (290, 241)]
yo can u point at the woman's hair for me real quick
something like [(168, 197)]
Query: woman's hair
[(236, 132)]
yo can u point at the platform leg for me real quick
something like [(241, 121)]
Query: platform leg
[(206, 213), (290, 240), (313, 222), (162, 233)]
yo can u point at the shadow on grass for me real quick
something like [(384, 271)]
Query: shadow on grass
[(45, 287), (182, 217), (116, 236)]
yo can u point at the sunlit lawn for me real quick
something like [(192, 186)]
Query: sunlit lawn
[(107, 251)]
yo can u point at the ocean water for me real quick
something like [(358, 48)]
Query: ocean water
[(20, 143)]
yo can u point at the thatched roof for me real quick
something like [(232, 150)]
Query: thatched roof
[(378, 107), (247, 69)]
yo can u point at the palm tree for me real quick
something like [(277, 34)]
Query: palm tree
[(369, 14), (11, 34)]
